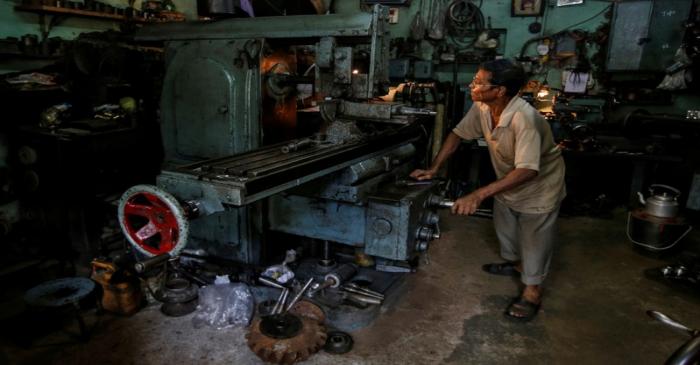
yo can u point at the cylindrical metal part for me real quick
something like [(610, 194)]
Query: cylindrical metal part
[(271, 282), (284, 301), (318, 287), (363, 289), (686, 354), (280, 302), (421, 246), (360, 292), (407, 110), (341, 274), (148, 264), (300, 293), (446, 203), (431, 218), (427, 234), (364, 299), (438, 129), (371, 293), (296, 145), (439, 202)]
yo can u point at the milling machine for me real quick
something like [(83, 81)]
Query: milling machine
[(232, 174)]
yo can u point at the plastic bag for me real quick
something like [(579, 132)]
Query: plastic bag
[(224, 305), (678, 76), (281, 273), (677, 81)]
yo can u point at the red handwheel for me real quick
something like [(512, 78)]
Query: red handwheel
[(153, 221)]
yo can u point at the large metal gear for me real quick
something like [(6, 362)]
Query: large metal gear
[(304, 308), (286, 338)]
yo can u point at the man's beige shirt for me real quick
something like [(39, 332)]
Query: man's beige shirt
[(522, 139)]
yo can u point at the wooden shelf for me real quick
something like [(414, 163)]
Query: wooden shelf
[(46, 9)]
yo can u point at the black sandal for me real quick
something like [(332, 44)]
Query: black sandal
[(522, 310), (504, 268)]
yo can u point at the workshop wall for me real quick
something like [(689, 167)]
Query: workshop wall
[(587, 16), (497, 12), (17, 23)]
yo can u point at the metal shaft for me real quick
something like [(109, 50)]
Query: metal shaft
[(297, 145), (150, 263), (299, 294), (318, 287), (364, 290), (363, 299), (359, 292), (439, 202), (271, 283), (279, 302)]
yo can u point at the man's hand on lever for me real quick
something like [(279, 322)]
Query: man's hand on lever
[(419, 174), (467, 204)]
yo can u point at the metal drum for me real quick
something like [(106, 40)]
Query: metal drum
[(655, 233)]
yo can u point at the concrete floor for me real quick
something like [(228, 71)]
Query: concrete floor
[(451, 313)]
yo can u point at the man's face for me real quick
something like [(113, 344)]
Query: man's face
[(482, 89)]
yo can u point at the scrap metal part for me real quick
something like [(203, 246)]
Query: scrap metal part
[(338, 342), (305, 308), (306, 340)]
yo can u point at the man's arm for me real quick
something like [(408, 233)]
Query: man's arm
[(448, 148), (469, 203)]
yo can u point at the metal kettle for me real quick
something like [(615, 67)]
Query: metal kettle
[(662, 201)]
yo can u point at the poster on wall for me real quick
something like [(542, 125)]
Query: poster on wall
[(527, 7)]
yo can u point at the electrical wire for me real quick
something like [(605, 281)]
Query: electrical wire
[(464, 20), (464, 17), (586, 20)]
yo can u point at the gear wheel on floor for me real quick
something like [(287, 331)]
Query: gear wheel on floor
[(304, 308), (286, 338)]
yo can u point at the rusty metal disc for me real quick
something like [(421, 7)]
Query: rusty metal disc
[(280, 326), (309, 340), (304, 308)]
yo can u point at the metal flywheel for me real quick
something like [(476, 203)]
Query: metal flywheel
[(153, 221)]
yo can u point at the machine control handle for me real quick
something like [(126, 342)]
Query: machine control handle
[(146, 265), (446, 204), (427, 234), (440, 202)]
